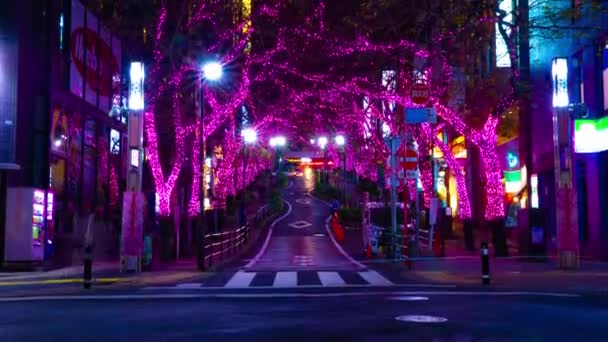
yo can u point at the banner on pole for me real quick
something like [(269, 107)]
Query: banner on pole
[(132, 236)]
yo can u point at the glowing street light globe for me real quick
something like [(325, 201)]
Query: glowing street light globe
[(278, 141), (212, 71), (340, 140), (249, 135), (322, 142)]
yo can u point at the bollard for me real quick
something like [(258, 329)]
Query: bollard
[(485, 264), (201, 254), (88, 267)]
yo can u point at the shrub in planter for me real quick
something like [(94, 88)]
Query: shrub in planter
[(352, 214)]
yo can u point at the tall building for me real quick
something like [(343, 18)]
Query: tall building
[(64, 122), (569, 89)]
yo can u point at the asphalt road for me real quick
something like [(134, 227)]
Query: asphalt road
[(356, 317), (300, 289)]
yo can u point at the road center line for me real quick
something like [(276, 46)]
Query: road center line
[(267, 241)]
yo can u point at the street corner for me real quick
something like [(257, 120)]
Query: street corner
[(146, 279), (440, 277), (58, 281)]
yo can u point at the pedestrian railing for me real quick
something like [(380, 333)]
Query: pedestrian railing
[(385, 243), (219, 246), (262, 214)]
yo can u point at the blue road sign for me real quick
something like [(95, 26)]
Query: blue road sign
[(420, 115)]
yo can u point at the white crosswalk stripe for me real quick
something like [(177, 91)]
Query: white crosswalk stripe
[(285, 279), (293, 279), (374, 278), (240, 279), (331, 279)]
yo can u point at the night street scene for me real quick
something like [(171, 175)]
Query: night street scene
[(303, 170)]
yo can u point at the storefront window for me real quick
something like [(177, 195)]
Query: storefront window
[(59, 133), (74, 158)]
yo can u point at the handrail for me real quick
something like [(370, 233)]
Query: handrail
[(225, 244)]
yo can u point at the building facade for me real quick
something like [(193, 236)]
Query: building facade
[(68, 113), (583, 46)]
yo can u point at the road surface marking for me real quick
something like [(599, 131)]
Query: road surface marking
[(303, 260), (285, 279), (303, 200), (188, 285), (421, 319), (320, 286), (331, 279), (300, 224), (267, 241), (374, 278), (339, 248), (409, 298), (281, 295), (240, 279)]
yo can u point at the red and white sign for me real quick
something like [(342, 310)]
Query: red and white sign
[(409, 159), (420, 93), (95, 59)]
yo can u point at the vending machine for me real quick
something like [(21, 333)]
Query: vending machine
[(29, 230)]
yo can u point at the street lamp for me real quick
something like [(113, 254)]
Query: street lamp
[(277, 143), (341, 142), (323, 144), (211, 71), (250, 136)]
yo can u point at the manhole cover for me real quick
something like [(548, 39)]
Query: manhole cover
[(421, 319), (409, 298)]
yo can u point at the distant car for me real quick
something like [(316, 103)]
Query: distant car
[(299, 173)]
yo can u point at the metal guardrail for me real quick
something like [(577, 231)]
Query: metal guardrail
[(219, 246), (393, 245)]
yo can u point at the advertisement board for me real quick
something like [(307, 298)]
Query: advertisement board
[(8, 95), (95, 68)]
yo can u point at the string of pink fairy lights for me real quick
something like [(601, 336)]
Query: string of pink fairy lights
[(272, 65)]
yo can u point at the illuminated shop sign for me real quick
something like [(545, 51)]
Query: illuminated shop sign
[(591, 136), (559, 72)]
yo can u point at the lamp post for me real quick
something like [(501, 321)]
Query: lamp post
[(211, 71), (341, 142), (277, 143), (565, 192), (323, 144), (250, 136)]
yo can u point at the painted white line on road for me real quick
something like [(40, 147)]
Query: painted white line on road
[(240, 280), (394, 286), (267, 241), (189, 285), (339, 248), (421, 319), (409, 298), (281, 295), (331, 279), (374, 278), (285, 279)]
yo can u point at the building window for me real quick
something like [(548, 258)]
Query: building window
[(61, 26), (605, 74), (583, 220), (576, 7), (578, 88)]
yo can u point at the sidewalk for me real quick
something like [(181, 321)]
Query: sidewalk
[(511, 273)]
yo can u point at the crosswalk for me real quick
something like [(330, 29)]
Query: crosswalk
[(292, 279)]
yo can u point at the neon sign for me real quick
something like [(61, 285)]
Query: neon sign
[(591, 136), (559, 71)]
